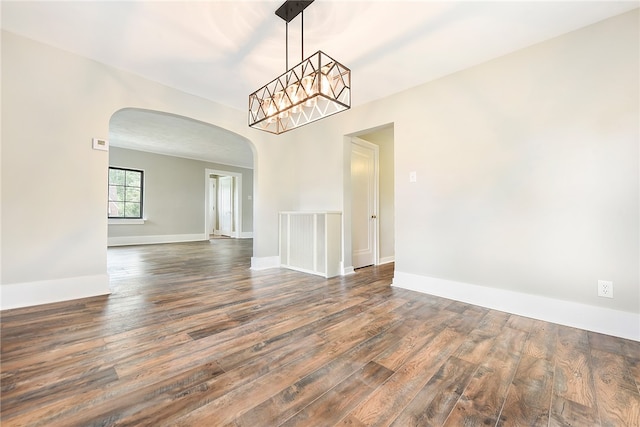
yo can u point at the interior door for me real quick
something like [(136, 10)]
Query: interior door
[(225, 205), (364, 202), (212, 214)]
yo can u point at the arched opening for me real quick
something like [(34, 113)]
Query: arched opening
[(174, 152)]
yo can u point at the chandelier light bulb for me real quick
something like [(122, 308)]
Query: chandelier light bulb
[(292, 93)]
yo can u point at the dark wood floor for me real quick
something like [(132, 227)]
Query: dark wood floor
[(191, 337)]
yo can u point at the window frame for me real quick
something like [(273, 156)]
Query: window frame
[(140, 188)]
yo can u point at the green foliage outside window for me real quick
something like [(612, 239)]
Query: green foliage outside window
[(125, 193)]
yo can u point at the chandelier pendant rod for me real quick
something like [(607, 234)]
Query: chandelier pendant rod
[(286, 42)]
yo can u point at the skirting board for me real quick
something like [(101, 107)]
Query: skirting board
[(345, 271), (265, 262), (246, 235), (597, 319), (15, 295), (152, 240), (386, 260)]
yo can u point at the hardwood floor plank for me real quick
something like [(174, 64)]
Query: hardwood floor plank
[(482, 400), (529, 395), (493, 321), (475, 348), (605, 343), (404, 385), (236, 402), (457, 306), (104, 406), (542, 340), (329, 408), (519, 322), (330, 329), (634, 367), (565, 412), (338, 339), (631, 349), (299, 395), (397, 354), (573, 377), (468, 320), (72, 384), (433, 404), (173, 406), (191, 336), (618, 397)]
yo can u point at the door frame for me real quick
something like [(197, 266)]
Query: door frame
[(376, 196), (237, 203), (225, 198), (213, 203)]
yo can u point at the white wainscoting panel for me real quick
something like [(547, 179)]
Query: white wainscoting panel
[(265, 262), (311, 242)]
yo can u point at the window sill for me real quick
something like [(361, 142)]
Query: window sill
[(126, 221)]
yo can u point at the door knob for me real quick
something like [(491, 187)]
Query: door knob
[(373, 216)]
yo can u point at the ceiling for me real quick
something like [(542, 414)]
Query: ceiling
[(171, 135), (224, 50)]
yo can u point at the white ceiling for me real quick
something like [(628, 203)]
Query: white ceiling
[(172, 135), (224, 50)]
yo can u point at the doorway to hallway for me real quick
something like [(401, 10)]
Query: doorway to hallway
[(223, 203), (364, 202), (369, 237)]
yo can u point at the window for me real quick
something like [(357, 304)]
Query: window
[(125, 193)]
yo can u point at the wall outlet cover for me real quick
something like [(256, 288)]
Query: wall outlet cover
[(605, 288)]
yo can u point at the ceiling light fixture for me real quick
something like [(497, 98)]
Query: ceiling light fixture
[(317, 87)]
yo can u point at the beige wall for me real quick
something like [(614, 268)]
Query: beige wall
[(54, 230), (527, 171), (527, 166), (174, 194)]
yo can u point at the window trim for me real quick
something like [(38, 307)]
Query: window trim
[(128, 220), (125, 221)]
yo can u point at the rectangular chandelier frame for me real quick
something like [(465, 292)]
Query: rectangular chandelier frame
[(317, 87)]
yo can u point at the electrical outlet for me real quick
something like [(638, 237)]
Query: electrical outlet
[(605, 288)]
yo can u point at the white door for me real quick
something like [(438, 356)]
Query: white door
[(225, 205), (212, 214), (364, 202)]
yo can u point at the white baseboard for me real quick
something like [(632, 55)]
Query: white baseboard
[(152, 240), (236, 235), (264, 263), (618, 323), (386, 260), (345, 271), (15, 295)]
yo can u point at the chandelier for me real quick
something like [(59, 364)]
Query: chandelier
[(317, 87)]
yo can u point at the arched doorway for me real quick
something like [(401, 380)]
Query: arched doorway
[(174, 151)]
